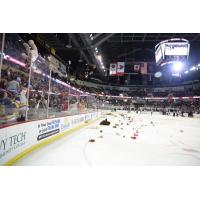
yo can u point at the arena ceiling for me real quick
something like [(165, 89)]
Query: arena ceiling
[(80, 48)]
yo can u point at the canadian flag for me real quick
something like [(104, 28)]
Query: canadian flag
[(120, 68), (113, 69), (136, 68)]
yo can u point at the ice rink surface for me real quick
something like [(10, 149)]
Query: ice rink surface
[(160, 140)]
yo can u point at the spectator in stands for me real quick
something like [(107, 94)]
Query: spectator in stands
[(8, 108), (23, 99), (5, 103), (3, 82), (13, 86)]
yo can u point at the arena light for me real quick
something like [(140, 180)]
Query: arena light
[(158, 74), (91, 37), (13, 60), (168, 63), (99, 57), (177, 67), (193, 68), (186, 72)]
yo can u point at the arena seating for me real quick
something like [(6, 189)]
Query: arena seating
[(68, 97)]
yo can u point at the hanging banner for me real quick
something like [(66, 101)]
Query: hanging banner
[(113, 69), (120, 68), (136, 67), (143, 68)]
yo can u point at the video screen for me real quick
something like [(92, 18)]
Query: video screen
[(176, 49)]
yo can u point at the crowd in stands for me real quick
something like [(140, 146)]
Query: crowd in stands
[(14, 84), (149, 105), (139, 92)]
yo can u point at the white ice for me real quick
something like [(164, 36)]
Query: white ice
[(162, 140)]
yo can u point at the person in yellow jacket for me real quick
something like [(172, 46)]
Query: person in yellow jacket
[(9, 108)]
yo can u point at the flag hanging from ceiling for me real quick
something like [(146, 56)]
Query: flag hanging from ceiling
[(120, 68), (136, 67), (113, 69), (143, 68)]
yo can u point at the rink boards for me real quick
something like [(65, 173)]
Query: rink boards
[(18, 140)]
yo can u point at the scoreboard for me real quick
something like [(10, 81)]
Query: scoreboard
[(172, 50), (179, 49)]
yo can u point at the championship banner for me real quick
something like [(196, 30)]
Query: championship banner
[(113, 69), (120, 68), (136, 67), (143, 68)]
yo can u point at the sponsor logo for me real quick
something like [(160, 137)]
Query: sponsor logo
[(77, 120), (47, 134), (65, 125), (87, 117), (47, 129), (94, 115), (9, 144)]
